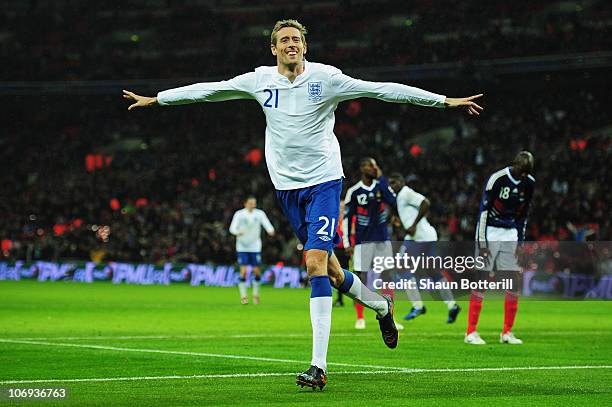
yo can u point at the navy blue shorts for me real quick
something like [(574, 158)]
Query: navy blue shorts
[(313, 213), (249, 258)]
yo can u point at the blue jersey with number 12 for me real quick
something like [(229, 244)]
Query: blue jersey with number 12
[(368, 205)]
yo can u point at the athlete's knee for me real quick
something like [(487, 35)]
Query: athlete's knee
[(335, 272), (336, 279), (316, 262)]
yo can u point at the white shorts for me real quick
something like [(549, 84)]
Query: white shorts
[(424, 235), (364, 254), (502, 244)]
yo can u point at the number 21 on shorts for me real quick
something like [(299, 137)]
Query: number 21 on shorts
[(323, 231)]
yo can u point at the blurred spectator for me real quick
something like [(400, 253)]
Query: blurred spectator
[(82, 178)]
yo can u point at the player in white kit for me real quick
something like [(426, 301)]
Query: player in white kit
[(412, 208), (299, 98), (246, 226)]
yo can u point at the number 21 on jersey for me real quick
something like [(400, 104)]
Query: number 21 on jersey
[(271, 98)]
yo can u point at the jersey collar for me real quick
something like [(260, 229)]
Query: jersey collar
[(282, 78), (371, 187), (515, 181)]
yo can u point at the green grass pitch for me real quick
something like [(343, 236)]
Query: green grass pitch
[(183, 345)]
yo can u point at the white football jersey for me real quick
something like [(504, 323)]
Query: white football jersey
[(247, 228), (408, 203), (301, 148)]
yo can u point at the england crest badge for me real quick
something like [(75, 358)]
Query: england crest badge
[(315, 91)]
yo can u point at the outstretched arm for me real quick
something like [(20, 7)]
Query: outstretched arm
[(467, 104), (139, 101), (347, 88), (240, 87)]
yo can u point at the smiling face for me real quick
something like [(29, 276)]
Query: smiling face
[(290, 46)]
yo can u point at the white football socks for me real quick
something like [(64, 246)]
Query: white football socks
[(414, 296), (370, 299), (256, 285), (243, 289), (447, 295), (320, 318)]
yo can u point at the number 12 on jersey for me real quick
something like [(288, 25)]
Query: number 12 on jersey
[(271, 94)]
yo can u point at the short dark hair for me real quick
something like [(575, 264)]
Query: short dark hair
[(250, 197), (397, 176), (364, 161), (524, 161)]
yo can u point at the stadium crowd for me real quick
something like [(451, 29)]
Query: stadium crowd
[(84, 179), (136, 39), (163, 184)]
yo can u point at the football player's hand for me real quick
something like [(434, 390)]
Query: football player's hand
[(271, 234), (141, 101), (411, 230), (486, 254), (522, 258), (467, 104), (349, 251), (395, 221), (379, 172)]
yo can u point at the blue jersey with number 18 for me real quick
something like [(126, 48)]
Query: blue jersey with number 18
[(505, 203)]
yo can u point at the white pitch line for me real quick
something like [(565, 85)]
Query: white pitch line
[(136, 378), (238, 375), (241, 336), (174, 352), (416, 334)]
